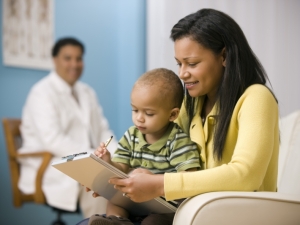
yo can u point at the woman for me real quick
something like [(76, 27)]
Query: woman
[(229, 112)]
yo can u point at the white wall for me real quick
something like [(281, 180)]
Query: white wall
[(271, 27)]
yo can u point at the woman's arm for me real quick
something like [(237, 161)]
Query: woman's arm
[(140, 187), (250, 153), (252, 160)]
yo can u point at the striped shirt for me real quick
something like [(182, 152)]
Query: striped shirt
[(173, 152)]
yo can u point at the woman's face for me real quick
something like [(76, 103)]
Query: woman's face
[(200, 69)]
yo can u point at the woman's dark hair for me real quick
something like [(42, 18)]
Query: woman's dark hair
[(66, 41), (216, 30)]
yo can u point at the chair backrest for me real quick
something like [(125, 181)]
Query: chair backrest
[(12, 135), (13, 142), (13, 139), (289, 155)]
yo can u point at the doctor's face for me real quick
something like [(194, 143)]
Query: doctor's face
[(69, 63)]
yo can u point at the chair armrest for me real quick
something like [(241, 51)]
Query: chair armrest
[(46, 157), (245, 208)]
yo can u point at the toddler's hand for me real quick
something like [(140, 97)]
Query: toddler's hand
[(102, 152)]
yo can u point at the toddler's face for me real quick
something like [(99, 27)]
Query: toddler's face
[(150, 114)]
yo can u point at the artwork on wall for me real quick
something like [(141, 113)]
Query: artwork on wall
[(28, 32)]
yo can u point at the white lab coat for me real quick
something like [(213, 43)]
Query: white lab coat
[(53, 121)]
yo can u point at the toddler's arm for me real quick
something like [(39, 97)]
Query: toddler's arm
[(104, 154)]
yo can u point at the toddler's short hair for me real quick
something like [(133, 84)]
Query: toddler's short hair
[(170, 86)]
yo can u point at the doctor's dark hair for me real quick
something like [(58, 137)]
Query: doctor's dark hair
[(66, 41), (170, 86), (216, 31)]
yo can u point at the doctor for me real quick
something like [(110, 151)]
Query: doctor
[(62, 116)]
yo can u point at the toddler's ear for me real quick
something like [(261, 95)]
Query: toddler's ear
[(174, 114)]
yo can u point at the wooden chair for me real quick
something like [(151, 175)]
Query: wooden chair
[(13, 142)]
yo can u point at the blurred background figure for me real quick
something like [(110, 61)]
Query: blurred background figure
[(62, 116), (114, 42)]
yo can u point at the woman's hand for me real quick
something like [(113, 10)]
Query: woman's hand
[(140, 187), (140, 170)]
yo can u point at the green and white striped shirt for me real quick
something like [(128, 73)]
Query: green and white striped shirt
[(173, 152)]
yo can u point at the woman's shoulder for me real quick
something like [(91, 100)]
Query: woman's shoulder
[(257, 99), (259, 91)]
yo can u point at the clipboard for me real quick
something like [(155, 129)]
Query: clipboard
[(94, 173)]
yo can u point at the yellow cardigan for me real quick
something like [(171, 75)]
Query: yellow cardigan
[(250, 156)]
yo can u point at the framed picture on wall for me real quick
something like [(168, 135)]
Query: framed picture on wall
[(28, 33)]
